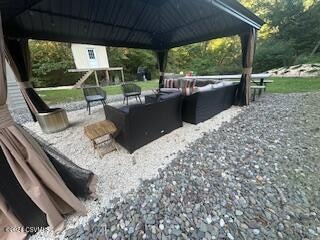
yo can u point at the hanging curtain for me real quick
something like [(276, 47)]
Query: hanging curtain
[(248, 41), (162, 62), (18, 56), (32, 169)]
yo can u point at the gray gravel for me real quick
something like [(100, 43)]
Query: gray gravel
[(254, 178)]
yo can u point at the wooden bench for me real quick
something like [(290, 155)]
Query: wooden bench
[(255, 89), (103, 131), (262, 83)]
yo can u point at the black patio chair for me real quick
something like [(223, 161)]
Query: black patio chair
[(94, 94), (131, 90)]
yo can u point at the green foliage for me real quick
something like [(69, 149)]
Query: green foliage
[(307, 59), (273, 53), (290, 36), (193, 57), (130, 59), (304, 30), (207, 58), (50, 62)]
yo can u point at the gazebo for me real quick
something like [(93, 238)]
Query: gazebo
[(149, 24)]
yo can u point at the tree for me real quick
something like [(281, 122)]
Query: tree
[(290, 35), (130, 59), (50, 62)]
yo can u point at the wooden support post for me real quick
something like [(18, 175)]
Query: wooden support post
[(107, 77), (97, 80), (248, 42), (122, 75), (162, 62)]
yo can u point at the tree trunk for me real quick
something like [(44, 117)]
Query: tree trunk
[(315, 49)]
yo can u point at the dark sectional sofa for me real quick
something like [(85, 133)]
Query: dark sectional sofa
[(142, 123), (202, 106)]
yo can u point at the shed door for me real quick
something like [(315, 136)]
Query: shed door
[(92, 57)]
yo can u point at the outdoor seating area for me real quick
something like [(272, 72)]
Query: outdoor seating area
[(185, 134), (119, 171), (52, 191), (166, 109)]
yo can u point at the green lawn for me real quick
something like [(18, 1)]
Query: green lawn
[(280, 85), (294, 85), (70, 95)]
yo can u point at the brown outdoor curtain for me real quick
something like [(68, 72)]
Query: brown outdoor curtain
[(162, 62), (248, 41), (31, 167)]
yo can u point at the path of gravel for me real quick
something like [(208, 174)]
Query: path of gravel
[(118, 172), (256, 177)]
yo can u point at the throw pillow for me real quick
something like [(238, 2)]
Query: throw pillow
[(191, 83), (176, 83), (168, 83), (187, 91)]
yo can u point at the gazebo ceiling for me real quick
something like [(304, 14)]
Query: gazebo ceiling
[(150, 24)]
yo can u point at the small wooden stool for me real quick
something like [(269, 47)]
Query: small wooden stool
[(105, 131)]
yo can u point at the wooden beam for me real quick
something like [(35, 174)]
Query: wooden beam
[(122, 75), (96, 77), (96, 69)]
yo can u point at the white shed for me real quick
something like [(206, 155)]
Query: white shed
[(89, 56), (90, 59)]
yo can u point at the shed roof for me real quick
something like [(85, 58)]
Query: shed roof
[(150, 24)]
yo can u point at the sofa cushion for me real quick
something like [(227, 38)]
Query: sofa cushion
[(94, 98), (218, 85), (126, 109), (169, 95), (227, 83), (169, 90), (206, 88), (202, 83)]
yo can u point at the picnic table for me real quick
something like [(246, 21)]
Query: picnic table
[(259, 79)]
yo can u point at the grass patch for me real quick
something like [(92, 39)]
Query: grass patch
[(294, 85), (279, 85), (71, 95)]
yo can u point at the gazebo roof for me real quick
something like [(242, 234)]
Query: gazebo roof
[(149, 24)]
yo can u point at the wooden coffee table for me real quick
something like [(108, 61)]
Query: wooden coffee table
[(102, 133)]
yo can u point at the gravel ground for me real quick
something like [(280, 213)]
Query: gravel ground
[(256, 177), (119, 172)]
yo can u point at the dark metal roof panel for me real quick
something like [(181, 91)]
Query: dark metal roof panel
[(152, 24)]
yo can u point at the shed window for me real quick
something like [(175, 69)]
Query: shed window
[(91, 54)]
